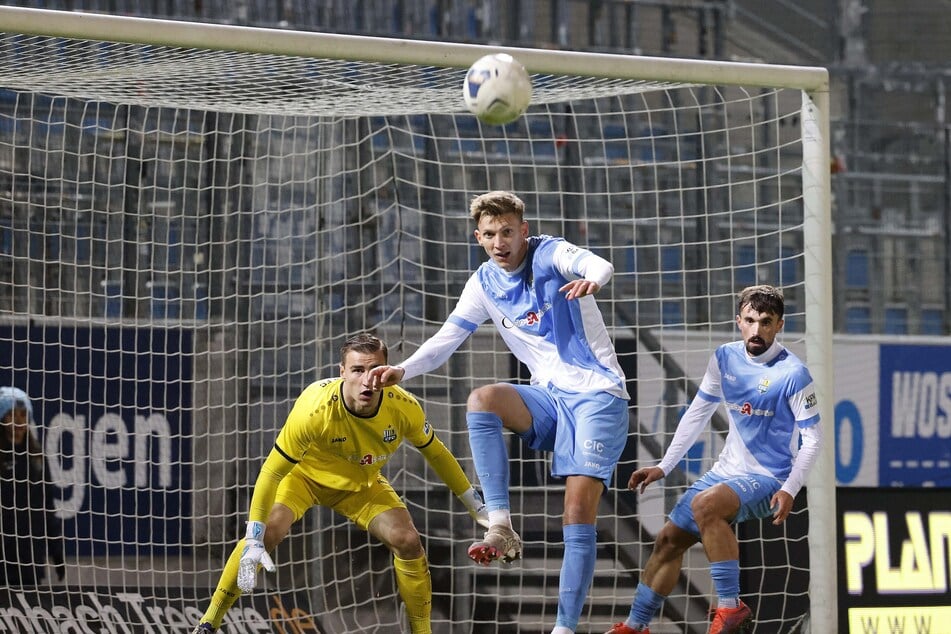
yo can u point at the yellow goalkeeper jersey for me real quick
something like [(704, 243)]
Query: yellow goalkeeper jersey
[(341, 450)]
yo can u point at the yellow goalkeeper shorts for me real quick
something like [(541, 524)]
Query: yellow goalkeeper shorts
[(299, 494)]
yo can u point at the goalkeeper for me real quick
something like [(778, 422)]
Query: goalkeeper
[(330, 451)]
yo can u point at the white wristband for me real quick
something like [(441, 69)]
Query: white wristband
[(255, 530), (472, 499)]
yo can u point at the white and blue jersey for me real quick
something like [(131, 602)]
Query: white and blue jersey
[(563, 343), (768, 399)]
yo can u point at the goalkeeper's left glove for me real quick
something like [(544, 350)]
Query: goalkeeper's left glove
[(253, 555), (476, 507)]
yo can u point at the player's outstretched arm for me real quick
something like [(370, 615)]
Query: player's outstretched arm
[(579, 288), (450, 471), (644, 476), (254, 554), (385, 376), (472, 500)]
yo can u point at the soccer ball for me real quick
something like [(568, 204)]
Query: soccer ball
[(497, 89)]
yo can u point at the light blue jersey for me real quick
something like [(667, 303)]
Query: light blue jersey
[(563, 343), (767, 398)]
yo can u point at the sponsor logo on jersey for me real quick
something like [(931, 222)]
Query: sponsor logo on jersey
[(747, 409), (532, 318), (729, 377), (426, 428), (389, 435), (811, 401), (338, 439)]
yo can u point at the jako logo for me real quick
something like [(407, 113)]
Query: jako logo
[(921, 404)]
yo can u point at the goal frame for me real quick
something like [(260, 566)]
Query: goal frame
[(813, 82)]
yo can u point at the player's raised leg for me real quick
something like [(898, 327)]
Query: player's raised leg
[(489, 409)]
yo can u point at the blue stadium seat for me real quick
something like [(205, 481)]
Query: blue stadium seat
[(615, 142), (671, 263), (932, 321), (165, 300), (654, 144), (744, 261), (856, 269), (858, 320), (896, 320), (201, 300), (793, 321), (671, 312), (787, 268), (112, 298)]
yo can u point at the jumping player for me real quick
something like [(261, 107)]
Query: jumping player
[(538, 292)]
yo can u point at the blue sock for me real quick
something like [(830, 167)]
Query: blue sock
[(491, 458), (577, 571), (646, 604), (726, 581)]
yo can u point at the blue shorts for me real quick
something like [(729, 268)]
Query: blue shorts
[(755, 492), (585, 431)]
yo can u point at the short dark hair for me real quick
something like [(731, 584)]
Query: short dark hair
[(496, 203), (363, 342), (763, 299)]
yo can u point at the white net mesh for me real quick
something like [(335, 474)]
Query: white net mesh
[(188, 236)]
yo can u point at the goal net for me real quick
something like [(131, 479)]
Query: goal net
[(194, 217)]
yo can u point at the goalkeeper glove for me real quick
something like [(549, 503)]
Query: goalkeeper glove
[(252, 556), (476, 507)]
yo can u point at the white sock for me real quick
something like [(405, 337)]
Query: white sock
[(728, 602), (500, 516), (561, 629)]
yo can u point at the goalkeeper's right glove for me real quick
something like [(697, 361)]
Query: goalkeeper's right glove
[(476, 507), (252, 556)]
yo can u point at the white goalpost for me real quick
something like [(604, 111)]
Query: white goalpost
[(193, 218)]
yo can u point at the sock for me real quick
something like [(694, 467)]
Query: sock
[(646, 604), (490, 457), (560, 629), (577, 571), (416, 589), (726, 581), (500, 516), (227, 592)]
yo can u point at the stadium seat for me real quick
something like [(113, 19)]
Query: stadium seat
[(671, 313), (896, 320), (112, 298), (857, 270), (858, 320), (932, 321), (671, 264), (165, 302), (744, 259)]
